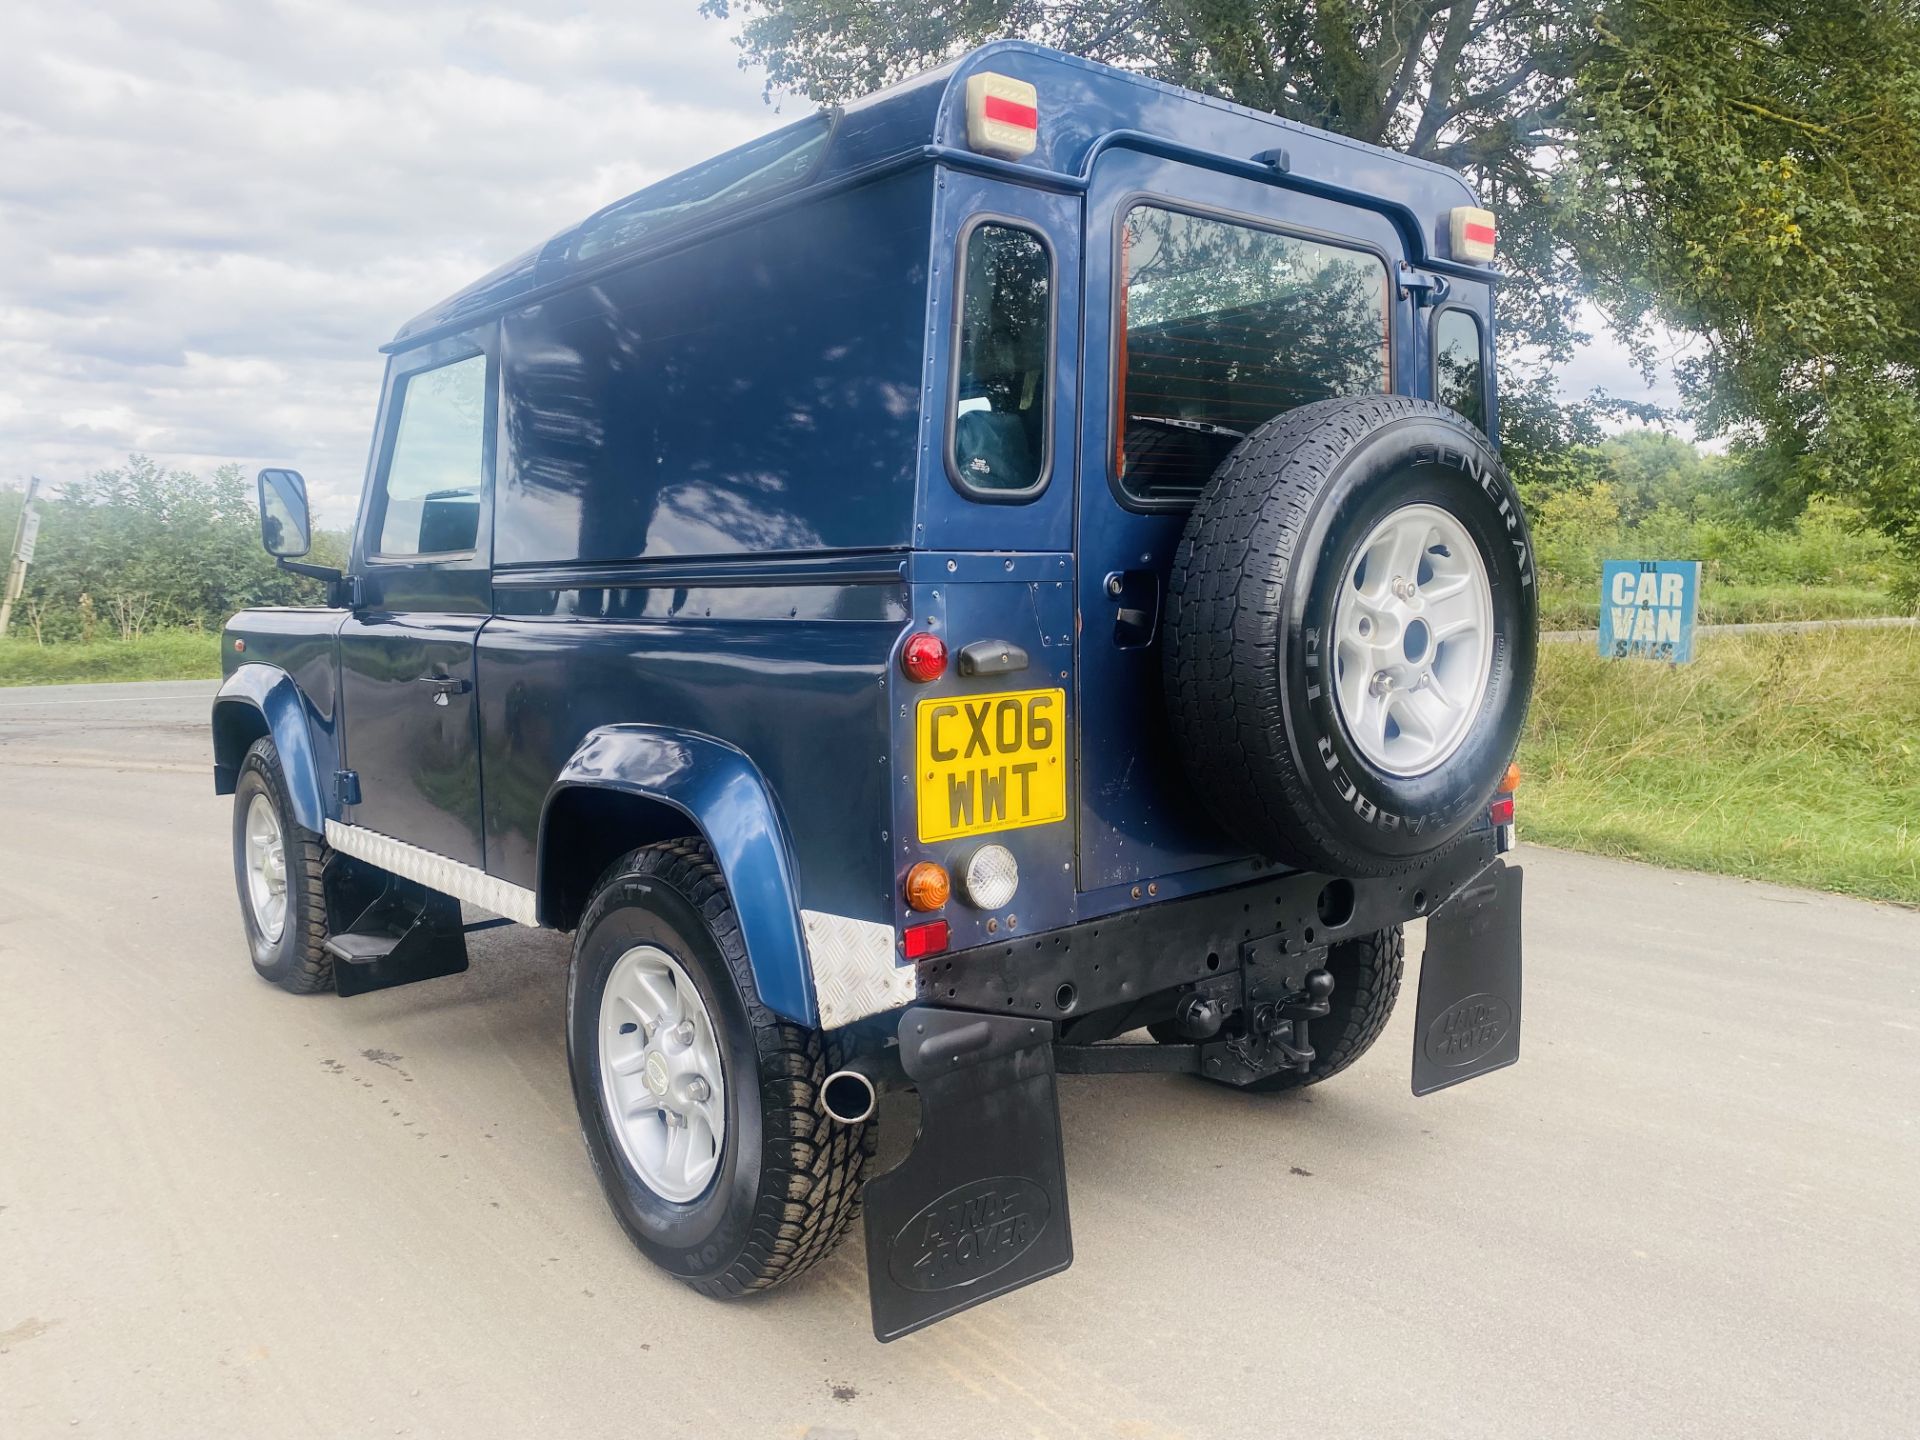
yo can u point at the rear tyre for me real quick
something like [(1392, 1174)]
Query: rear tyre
[(700, 1108), (278, 867), (1366, 973)]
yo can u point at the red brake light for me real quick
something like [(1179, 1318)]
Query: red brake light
[(1501, 811), (924, 657), (919, 941)]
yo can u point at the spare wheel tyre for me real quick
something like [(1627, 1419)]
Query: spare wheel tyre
[(1350, 634)]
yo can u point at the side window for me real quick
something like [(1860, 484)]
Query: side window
[(1459, 364), (430, 497), (1222, 326), (999, 444)]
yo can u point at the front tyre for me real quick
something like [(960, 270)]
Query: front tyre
[(277, 867), (700, 1108)]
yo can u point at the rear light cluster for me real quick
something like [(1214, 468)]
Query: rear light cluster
[(1501, 810), (928, 938), (991, 877), (924, 657), (928, 886)]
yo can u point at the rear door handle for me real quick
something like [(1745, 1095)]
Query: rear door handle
[(445, 685)]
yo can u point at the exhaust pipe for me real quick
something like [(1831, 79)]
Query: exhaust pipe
[(848, 1097)]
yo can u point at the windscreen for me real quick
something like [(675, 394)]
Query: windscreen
[(1223, 326)]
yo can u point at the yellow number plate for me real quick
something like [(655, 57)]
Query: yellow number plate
[(991, 762)]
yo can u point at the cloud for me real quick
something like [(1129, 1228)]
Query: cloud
[(213, 214)]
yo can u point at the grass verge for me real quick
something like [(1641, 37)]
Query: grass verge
[(164, 655), (1793, 758)]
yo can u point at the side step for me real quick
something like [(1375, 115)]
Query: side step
[(389, 931)]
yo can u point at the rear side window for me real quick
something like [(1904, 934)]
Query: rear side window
[(1459, 364), (1223, 326), (430, 504), (999, 447)]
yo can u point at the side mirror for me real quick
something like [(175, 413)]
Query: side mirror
[(285, 529)]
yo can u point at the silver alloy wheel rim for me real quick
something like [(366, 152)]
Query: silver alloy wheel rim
[(1413, 640), (660, 1075), (266, 864)]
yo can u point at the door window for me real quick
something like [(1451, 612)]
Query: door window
[(999, 443), (1223, 326), (430, 501), (1459, 364)]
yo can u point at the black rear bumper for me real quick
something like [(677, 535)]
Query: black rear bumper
[(1130, 957), (979, 1206)]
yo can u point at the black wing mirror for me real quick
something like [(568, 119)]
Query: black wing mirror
[(285, 528)]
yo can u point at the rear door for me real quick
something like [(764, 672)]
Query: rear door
[(422, 557), (1213, 303)]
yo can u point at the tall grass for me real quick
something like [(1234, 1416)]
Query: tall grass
[(1793, 758), (163, 655), (1827, 564)]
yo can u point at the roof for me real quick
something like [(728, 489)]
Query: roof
[(1082, 104)]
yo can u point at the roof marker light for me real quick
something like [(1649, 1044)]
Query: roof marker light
[(1003, 115), (1471, 233)]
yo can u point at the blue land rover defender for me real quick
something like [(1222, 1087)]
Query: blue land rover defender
[(1009, 577)]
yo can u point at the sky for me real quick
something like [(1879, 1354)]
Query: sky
[(212, 215)]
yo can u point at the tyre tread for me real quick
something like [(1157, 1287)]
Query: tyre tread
[(811, 1167)]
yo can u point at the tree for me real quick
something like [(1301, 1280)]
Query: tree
[(148, 547), (1751, 174), (1745, 173)]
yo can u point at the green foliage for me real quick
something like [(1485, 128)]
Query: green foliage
[(163, 655), (1642, 496), (1741, 762), (144, 548), (1750, 173)]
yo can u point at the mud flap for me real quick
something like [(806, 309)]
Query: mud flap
[(1468, 1018), (979, 1206)]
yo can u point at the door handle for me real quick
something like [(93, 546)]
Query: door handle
[(445, 685)]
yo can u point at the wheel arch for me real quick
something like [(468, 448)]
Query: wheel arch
[(257, 701), (633, 785)]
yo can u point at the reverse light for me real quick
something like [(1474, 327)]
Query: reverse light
[(924, 657), (991, 877), (1471, 231), (928, 886), (1003, 115), (919, 941)]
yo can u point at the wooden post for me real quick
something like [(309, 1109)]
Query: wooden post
[(24, 535)]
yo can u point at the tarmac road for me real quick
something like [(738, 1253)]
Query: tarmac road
[(1691, 1209)]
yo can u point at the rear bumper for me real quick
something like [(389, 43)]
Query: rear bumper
[(979, 1205), (1130, 957)]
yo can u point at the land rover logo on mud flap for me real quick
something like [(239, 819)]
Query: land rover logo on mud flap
[(969, 1233), (1468, 1031)]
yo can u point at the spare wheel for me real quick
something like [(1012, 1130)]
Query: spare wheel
[(1350, 634)]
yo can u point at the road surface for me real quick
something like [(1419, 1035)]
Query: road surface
[(1691, 1209)]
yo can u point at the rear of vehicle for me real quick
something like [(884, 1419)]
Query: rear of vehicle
[(1223, 633)]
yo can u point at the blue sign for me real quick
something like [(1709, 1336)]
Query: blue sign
[(1647, 609)]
